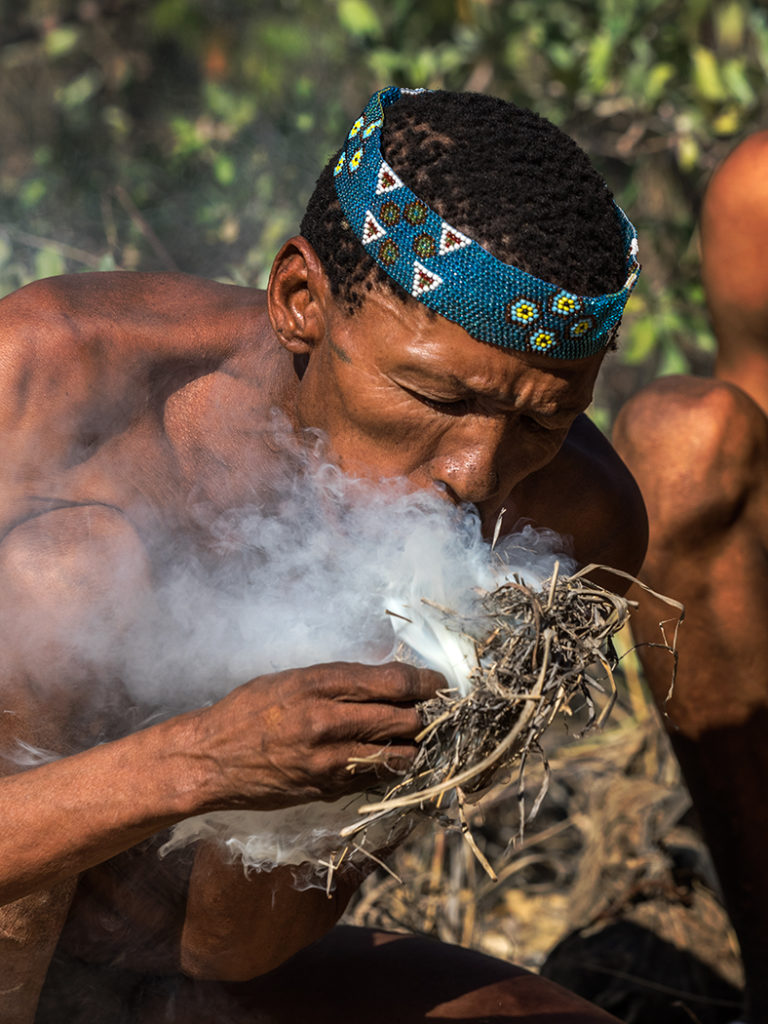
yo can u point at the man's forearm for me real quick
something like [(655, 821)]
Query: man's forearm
[(64, 817)]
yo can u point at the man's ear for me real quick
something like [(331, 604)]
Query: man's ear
[(297, 296)]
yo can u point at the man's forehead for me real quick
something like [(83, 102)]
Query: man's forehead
[(449, 360), (411, 333)]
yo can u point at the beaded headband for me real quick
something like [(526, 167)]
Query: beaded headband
[(454, 275)]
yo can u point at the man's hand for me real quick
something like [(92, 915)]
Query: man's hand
[(279, 740), (288, 738)]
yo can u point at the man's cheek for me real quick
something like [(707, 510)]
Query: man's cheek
[(537, 452), (388, 419)]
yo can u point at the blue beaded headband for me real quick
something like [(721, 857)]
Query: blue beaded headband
[(454, 275)]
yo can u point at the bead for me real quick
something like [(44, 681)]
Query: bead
[(451, 273)]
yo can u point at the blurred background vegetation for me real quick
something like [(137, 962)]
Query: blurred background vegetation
[(187, 134)]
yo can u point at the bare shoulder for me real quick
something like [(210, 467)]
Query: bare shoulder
[(75, 543), (103, 296), (71, 560), (588, 495), (121, 317), (84, 356), (697, 447)]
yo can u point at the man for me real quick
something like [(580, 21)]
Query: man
[(138, 408), (699, 449)]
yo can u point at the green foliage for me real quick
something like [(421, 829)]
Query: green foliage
[(187, 134)]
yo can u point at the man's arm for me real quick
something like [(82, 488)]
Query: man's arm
[(79, 574), (238, 927), (699, 449)]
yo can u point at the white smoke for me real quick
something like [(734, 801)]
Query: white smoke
[(338, 571), (306, 576)]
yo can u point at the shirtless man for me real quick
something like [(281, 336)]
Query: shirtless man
[(699, 450), (130, 402)]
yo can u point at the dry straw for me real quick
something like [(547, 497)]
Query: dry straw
[(540, 653)]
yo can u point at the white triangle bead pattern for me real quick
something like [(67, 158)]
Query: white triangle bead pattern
[(451, 239), (387, 180), (372, 230), (424, 280)]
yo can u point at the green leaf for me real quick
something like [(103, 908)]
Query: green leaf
[(79, 90), (235, 110), (658, 78), (640, 343), (734, 73), (730, 25), (117, 120), (706, 75), (728, 121), (563, 57), (224, 169), (171, 17), (688, 152), (60, 41), (673, 361), (305, 121), (599, 61), (706, 341), (186, 137), (31, 192), (359, 18)]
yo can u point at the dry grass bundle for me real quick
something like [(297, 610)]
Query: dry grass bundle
[(612, 894), (540, 652)]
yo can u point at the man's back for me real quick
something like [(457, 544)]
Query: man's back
[(699, 449), (105, 378)]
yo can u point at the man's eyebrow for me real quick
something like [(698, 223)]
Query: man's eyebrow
[(553, 414), (448, 383), (429, 374), (433, 374)]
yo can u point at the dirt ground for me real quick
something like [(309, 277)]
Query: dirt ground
[(610, 891)]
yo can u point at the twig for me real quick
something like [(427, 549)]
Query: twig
[(69, 252), (146, 229)]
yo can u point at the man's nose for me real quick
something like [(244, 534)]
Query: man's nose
[(469, 465)]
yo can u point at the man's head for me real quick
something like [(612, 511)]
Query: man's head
[(734, 226), (402, 391), (500, 174)]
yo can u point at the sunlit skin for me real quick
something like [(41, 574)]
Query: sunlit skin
[(400, 392), (134, 409), (406, 394), (699, 449)]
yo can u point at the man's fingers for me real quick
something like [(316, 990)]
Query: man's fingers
[(394, 682), (384, 762), (371, 723)]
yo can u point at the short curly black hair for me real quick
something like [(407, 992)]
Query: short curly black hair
[(498, 172)]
